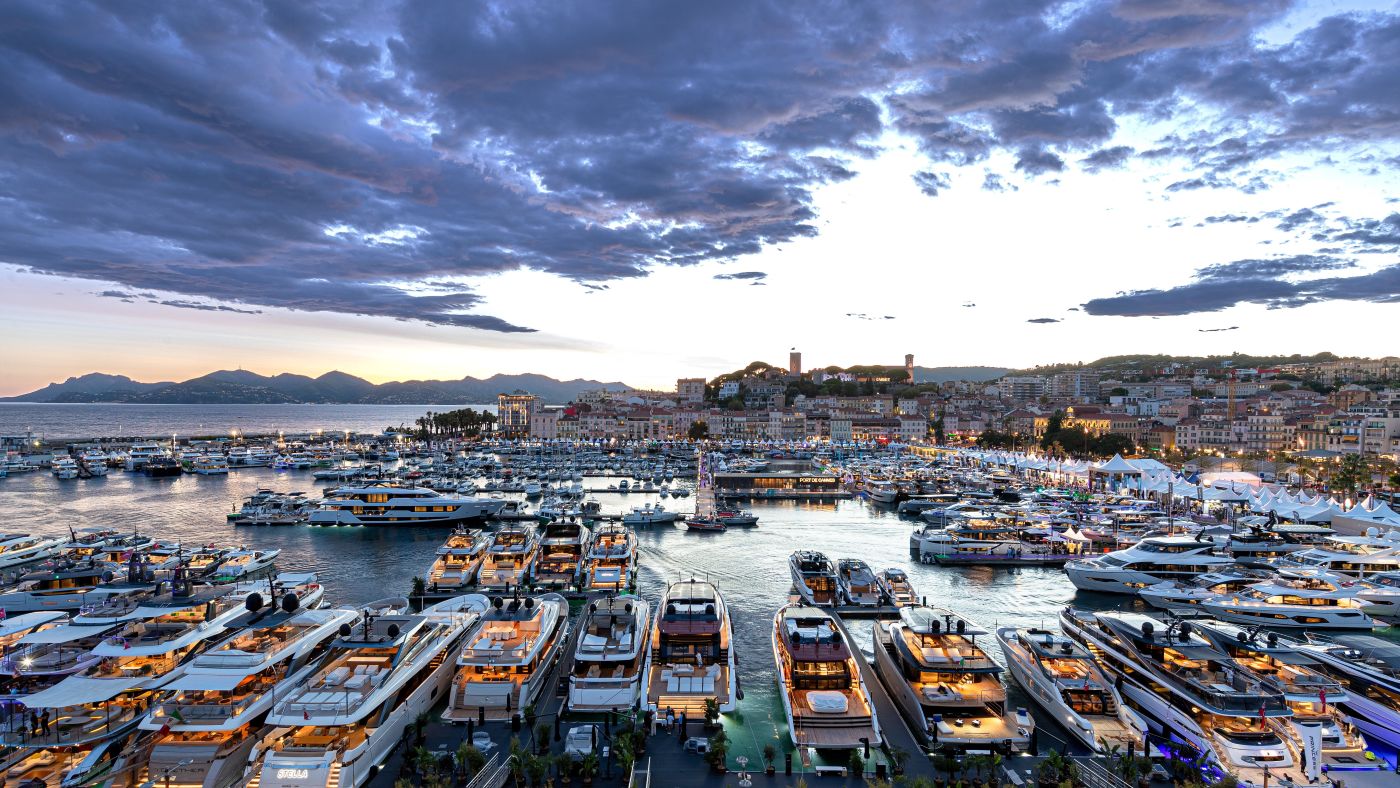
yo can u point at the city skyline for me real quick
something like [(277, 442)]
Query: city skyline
[(409, 190)]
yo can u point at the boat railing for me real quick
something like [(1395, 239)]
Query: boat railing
[(1304, 685), (62, 727), (208, 711)]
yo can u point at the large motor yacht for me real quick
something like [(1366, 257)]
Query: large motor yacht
[(1188, 688), (1150, 561), (692, 654), (944, 684), (207, 726), (1369, 668), (611, 564), (18, 549), (1310, 603), (456, 563), (1191, 592), (610, 658), (824, 696), (1356, 556), (510, 558), (337, 726), (562, 549), (1309, 692), (857, 583), (386, 504), (1062, 677), (814, 577), (506, 659)]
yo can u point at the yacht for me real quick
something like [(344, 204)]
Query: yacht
[(1188, 688), (243, 562), (814, 577), (510, 558), (338, 726), (1369, 668), (64, 467), (944, 684), (1356, 556), (162, 466), (824, 696), (857, 583), (66, 588), (1311, 603), (1313, 697), (18, 549), (1150, 561), (691, 656), (562, 549), (736, 517), (610, 658), (386, 504), (648, 514), (1062, 677), (209, 720), (210, 465), (507, 658), (881, 490), (456, 563), (611, 564), (145, 643), (141, 453), (1170, 594), (894, 584)]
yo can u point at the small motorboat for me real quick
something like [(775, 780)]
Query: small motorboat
[(705, 524)]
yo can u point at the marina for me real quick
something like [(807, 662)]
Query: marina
[(630, 591)]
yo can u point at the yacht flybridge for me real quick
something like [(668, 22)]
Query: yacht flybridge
[(510, 558), (381, 672), (456, 563), (206, 727), (1062, 677), (390, 504), (610, 658), (944, 683), (824, 696), (506, 659), (611, 564)]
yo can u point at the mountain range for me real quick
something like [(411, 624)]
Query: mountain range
[(241, 387)]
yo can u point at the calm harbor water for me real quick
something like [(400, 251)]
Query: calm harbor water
[(70, 421)]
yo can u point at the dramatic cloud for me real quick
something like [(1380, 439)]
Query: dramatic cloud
[(376, 157)]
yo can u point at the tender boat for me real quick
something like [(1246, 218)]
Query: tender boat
[(336, 727), (857, 583), (611, 564), (610, 658), (824, 696), (456, 563), (944, 684), (691, 657), (736, 518), (894, 584), (814, 577), (507, 657), (1062, 678)]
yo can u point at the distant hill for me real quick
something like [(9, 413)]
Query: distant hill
[(945, 374), (1109, 363), (241, 387)]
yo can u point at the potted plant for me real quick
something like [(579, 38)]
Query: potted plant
[(469, 760), (897, 758), (588, 767), (718, 755), (855, 765), (711, 713), (530, 714), (994, 766), (564, 766), (542, 737), (770, 753)]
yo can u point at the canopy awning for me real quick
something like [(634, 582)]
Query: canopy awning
[(219, 682), (65, 634), (20, 623), (80, 691)]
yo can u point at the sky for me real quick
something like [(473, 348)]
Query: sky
[(642, 191)]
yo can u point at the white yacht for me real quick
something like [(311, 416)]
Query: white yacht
[(209, 465), (944, 684), (814, 577), (881, 490), (386, 504), (337, 726), (649, 515), (1311, 603), (611, 563), (610, 658), (507, 658), (1062, 677), (64, 467), (142, 453), (1150, 561), (17, 549), (691, 658), (456, 563), (207, 724), (1170, 594), (894, 584), (510, 557), (1369, 668), (243, 562), (824, 696), (857, 583), (1356, 556)]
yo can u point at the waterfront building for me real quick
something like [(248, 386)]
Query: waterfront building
[(513, 413), (690, 392)]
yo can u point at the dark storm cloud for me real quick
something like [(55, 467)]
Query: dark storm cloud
[(207, 307), (1043, 320), (371, 157), (743, 275)]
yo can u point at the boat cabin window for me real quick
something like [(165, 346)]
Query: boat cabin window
[(820, 675)]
